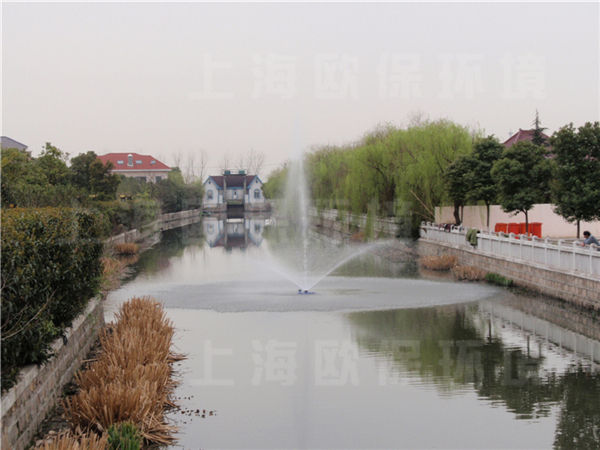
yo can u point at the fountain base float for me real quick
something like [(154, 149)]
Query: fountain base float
[(301, 292)]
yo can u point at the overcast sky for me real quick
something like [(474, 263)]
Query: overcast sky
[(162, 78)]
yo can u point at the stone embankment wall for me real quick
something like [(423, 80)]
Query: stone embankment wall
[(347, 224), (25, 406), (164, 222), (569, 285)]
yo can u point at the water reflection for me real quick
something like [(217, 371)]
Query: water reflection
[(380, 358), (235, 230), (485, 348)]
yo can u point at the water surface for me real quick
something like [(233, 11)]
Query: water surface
[(379, 357)]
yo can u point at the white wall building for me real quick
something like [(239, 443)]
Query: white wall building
[(221, 191)]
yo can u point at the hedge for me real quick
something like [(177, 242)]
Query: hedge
[(50, 269)]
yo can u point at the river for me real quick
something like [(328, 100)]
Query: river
[(381, 356)]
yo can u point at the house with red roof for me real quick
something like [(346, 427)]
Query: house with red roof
[(142, 167), (522, 135), (234, 191)]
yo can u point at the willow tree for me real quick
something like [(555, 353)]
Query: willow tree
[(327, 169), (422, 154), (274, 187)]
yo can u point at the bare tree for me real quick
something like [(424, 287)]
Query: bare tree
[(255, 161), (202, 163), (225, 162), (190, 172), (241, 162), (161, 157), (177, 158)]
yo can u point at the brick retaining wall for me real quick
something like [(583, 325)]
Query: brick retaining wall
[(25, 406), (571, 286)]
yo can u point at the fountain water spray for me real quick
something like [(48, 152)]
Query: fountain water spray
[(300, 254)]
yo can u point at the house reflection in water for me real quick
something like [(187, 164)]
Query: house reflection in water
[(234, 230)]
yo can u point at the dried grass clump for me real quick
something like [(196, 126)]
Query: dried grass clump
[(68, 441), (132, 379), (126, 249), (113, 269), (470, 273), (444, 262), (358, 237)]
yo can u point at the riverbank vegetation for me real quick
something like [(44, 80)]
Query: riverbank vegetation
[(408, 172), (443, 262), (124, 392), (50, 269), (390, 171), (132, 379), (52, 179)]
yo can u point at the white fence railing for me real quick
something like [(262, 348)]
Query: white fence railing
[(449, 234), (560, 254)]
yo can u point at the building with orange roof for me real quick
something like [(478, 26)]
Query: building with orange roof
[(142, 167)]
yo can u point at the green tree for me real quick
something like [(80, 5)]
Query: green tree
[(459, 179), (176, 176), (175, 195), (483, 186), (80, 169), (576, 190), (523, 176), (274, 187), (53, 164), (101, 181), (17, 172)]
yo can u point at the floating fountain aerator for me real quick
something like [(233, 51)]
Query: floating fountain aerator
[(304, 292)]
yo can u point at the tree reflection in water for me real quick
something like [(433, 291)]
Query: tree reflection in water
[(456, 348)]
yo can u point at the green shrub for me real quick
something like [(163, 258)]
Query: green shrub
[(124, 436), (499, 280), (50, 269), (121, 216)]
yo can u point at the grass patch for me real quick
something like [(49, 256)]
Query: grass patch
[(444, 262), (469, 273), (498, 280), (124, 436)]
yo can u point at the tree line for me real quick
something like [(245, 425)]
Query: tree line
[(50, 180), (407, 172)]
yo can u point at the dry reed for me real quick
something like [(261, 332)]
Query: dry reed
[(470, 273), (132, 379), (358, 237), (444, 262), (67, 441), (126, 249), (113, 269)]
